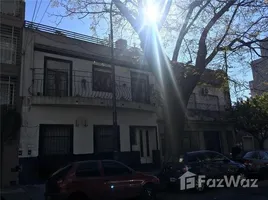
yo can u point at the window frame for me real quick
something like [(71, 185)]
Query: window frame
[(14, 42), (135, 75), (69, 77), (87, 162), (10, 92), (115, 162), (109, 71)]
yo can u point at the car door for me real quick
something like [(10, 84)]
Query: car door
[(88, 180), (120, 182), (214, 164)]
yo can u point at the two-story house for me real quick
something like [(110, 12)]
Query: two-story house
[(67, 102), (207, 125), (259, 67), (11, 25)]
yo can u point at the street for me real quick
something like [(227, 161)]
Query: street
[(36, 193), (219, 194)]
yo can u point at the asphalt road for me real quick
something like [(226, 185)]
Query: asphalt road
[(260, 193)]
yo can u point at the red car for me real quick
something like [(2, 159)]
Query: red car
[(99, 179)]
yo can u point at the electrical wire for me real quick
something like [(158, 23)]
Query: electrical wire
[(38, 10)]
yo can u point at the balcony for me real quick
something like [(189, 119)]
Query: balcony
[(64, 87)]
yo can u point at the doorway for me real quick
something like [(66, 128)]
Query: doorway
[(144, 140)]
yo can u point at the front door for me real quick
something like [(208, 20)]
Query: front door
[(144, 141)]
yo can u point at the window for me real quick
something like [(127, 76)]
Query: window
[(216, 156), (112, 168), (105, 139), (7, 93), (102, 79), (196, 157), (88, 169), (252, 154), (263, 155), (55, 139), (57, 77), (140, 87), (8, 49)]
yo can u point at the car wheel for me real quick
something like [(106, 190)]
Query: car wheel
[(199, 187), (148, 192)]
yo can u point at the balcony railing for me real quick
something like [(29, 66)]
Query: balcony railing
[(62, 83), (65, 33)]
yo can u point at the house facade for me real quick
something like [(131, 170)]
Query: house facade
[(259, 67), (67, 105), (12, 20)]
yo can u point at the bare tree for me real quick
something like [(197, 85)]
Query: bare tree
[(210, 33)]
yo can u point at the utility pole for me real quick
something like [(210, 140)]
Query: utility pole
[(113, 74)]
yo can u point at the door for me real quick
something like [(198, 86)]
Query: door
[(212, 141), (88, 179), (55, 147), (119, 181)]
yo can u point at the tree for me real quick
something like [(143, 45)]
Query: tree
[(208, 32), (251, 116)]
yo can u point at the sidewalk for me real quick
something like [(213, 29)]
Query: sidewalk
[(28, 192), (15, 193)]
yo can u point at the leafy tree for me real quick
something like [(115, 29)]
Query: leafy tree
[(197, 33), (252, 117)]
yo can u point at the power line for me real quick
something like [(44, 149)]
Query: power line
[(38, 10), (34, 9)]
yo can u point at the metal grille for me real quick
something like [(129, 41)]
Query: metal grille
[(105, 139), (11, 7), (10, 44), (55, 140), (8, 91)]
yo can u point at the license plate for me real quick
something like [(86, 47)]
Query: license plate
[(172, 180)]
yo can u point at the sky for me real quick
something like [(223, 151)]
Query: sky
[(44, 15)]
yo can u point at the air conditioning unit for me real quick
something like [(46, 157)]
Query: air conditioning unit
[(204, 91)]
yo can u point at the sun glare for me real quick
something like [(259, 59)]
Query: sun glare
[(152, 13)]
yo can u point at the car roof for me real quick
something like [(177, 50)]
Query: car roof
[(85, 161), (201, 151)]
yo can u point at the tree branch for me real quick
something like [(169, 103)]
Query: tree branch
[(184, 28), (216, 49), (202, 50), (164, 14)]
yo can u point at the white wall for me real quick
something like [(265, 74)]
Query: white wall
[(83, 136)]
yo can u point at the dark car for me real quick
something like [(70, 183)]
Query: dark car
[(256, 163), (208, 163), (99, 179)]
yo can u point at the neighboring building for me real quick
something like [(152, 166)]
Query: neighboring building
[(12, 20), (259, 67), (67, 112), (208, 125)]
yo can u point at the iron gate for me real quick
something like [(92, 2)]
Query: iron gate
[(55, 147)]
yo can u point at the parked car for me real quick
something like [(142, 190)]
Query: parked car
[(256, 163), (99, 179), (209, 163)]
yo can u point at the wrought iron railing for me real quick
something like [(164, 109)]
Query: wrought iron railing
[(63, 83), (65, 33)]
